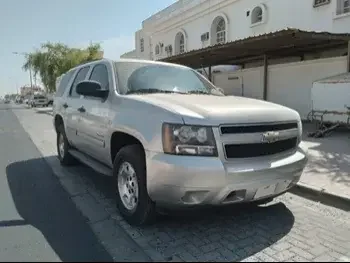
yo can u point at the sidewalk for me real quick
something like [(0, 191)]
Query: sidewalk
[(46, 110), (328, 169)]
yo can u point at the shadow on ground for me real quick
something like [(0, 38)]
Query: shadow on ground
[(241, 230), (329, 155), (44, 111), (43, 203)]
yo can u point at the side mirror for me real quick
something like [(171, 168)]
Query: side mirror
[(91, 88), (221, 90)]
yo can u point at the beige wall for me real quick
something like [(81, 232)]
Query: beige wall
[(288, 84)]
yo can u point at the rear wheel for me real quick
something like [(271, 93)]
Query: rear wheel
[(133, 202), (63, 148)]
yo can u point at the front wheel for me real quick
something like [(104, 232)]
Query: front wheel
[(133, 202)]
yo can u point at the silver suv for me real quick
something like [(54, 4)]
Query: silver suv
[(169, 137)]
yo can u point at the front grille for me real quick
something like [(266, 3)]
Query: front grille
[(258, 128), (259, 149)]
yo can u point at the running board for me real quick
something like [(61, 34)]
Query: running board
[(92, 163)]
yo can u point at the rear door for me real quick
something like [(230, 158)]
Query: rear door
[(71, 105)]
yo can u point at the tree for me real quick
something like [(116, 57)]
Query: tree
[(54, 59)]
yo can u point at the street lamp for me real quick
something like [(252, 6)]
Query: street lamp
[(30, 70)]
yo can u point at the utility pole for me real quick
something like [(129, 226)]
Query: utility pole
[(30, 70)]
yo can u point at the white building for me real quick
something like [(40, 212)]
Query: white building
[(189, 25), (192, 24)]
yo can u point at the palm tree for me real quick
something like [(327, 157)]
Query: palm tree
[(54, 59)]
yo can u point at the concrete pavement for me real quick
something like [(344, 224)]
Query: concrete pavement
[(328, 169), (38, 221), (289, 229)]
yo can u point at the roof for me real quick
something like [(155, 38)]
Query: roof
[(341, 78), (286, 42)]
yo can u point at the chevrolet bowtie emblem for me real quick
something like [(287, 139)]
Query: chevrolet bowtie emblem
[(270, 137)]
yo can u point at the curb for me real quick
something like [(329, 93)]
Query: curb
[(319, 194), (47, 112)]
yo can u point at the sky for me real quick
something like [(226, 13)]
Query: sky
[(26, 24)]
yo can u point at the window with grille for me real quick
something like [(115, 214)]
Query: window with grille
[(221, 32), (142, 45), (169, 50), (321, 2), (257, 15), (182, 44), (343, 7), (157, 50)]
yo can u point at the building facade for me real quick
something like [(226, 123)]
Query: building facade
[(193, 24)]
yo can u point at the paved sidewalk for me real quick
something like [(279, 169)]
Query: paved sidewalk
[(45, 110), (328, 169)]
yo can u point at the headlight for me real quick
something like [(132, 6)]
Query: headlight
[(300, 130), (188, 140)]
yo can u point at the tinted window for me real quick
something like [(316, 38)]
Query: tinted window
[(39, 97), (100, 74), (80, 77), (62, 83)]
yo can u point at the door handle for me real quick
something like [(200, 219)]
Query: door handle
[(65, 105), (81, 109)]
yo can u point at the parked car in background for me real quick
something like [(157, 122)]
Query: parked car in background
[(49, 99), (38, 101), (169, 137), (19, 100)]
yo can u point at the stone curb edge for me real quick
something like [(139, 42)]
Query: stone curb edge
[(320, 194)]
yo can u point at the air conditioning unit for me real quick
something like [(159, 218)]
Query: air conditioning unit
[(205, 36)]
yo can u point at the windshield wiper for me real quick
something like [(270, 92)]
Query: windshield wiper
[(198, 92), (147, 91)]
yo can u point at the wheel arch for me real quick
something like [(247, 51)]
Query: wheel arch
[(120, 139), (58, 121)]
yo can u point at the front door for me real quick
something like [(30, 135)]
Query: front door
[(96, 118), (73, 118)]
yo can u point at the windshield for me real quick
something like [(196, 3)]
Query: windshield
[(143, 77), (39, 97)]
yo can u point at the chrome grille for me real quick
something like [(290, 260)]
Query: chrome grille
[(259, 149), (255, 140), (258, 128)]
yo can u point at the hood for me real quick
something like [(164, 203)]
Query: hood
[(216, 110)]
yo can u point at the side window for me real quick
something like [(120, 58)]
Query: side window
[(100, 74), (79, 77), (62, 83)]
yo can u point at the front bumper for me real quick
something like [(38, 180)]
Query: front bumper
[(187, 180)]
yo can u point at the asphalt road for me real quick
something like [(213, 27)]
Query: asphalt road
[(38, 221), (289, 229)]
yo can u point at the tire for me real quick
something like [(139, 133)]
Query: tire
[(144, 211), (64, 156)]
